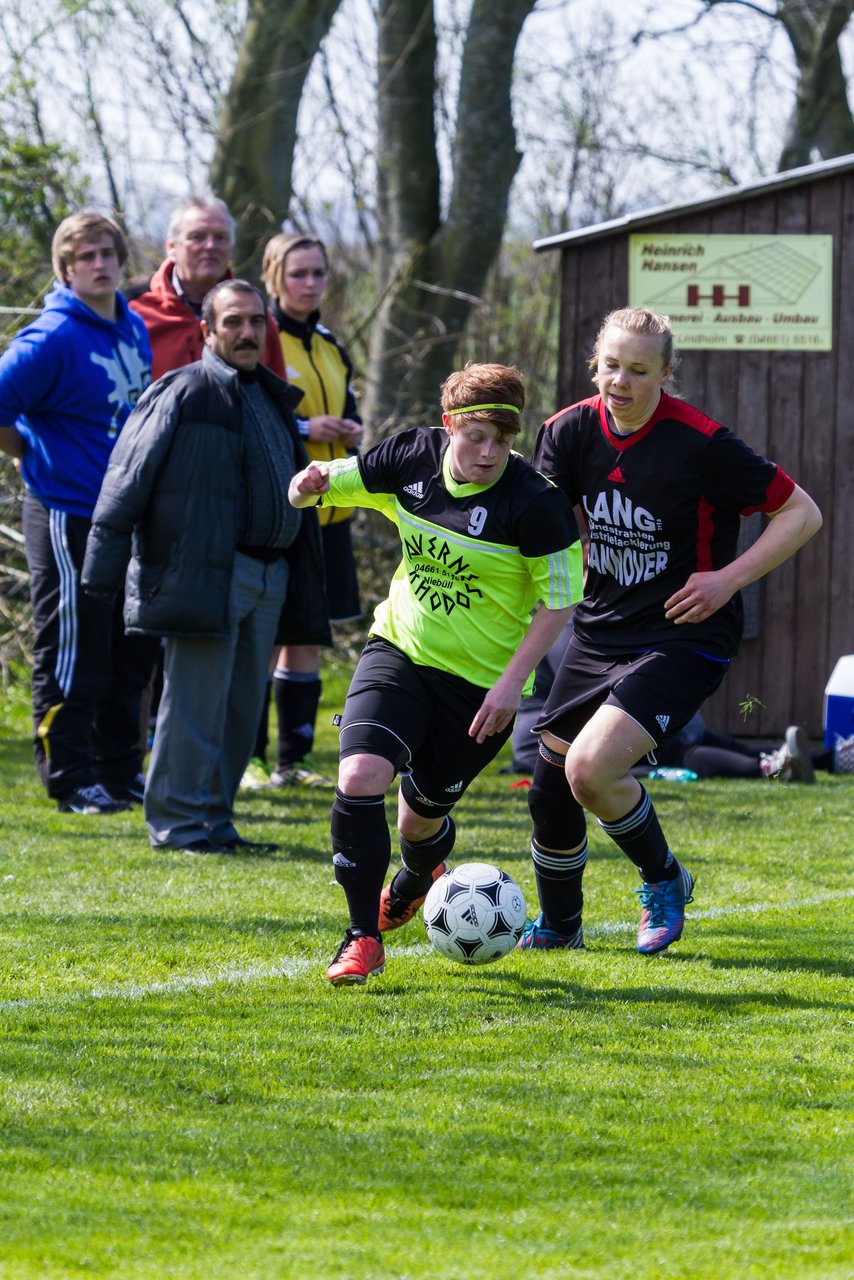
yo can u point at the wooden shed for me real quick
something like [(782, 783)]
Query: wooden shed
[(790, 396)]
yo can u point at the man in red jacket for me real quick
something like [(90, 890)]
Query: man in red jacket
[(198, 253)]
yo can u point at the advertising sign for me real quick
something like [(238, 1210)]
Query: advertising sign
[(747, 293)]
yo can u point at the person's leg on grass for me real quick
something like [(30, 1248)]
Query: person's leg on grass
[(559, 853), (117, 739), (721, 762), (442, 768), (257, 594), (597, 769), (256, 775), (296, 691), (71, 658), (425, 844), (361, 853)]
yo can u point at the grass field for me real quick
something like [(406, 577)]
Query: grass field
[(183, 1095)]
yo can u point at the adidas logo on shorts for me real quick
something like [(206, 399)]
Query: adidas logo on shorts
[(416, 490), (455, 786), (663, 722)]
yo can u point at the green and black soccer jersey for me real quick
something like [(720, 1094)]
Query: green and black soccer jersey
[(476, 559)]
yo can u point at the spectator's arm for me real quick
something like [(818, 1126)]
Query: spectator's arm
[(12, 442)]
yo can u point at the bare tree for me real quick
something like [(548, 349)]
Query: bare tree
[(820, 124), (431, 269), (251, 168)]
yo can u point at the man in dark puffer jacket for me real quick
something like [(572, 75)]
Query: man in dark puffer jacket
[(196, 499)]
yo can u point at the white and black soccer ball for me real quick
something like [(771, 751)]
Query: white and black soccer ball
[(474, 913)]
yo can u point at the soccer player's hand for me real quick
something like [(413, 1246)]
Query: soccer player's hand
[(497, 710), (307, 484), (702, 595)]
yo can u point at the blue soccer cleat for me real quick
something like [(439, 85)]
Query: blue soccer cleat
[(535, 936), (663, 911)]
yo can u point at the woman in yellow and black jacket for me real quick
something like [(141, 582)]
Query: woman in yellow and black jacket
[(295, 272)]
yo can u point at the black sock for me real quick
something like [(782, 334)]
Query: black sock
[(420, 859), (262, 737), (641, 839), (297, 697), (559, 877), (361, 852)]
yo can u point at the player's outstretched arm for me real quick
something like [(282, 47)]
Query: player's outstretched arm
[(308, 485), (789, 527), (502, 700)]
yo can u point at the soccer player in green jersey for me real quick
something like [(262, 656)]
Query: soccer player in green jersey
[(490, 566)]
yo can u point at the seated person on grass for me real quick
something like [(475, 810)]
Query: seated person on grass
[(485, 541)]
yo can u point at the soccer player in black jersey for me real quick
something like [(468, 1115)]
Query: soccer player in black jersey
[(661, 489), (485, 540)]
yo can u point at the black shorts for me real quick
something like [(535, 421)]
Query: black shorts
[(342, 584), (418, 719), (660, 689)]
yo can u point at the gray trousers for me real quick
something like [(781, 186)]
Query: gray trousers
[(213, 691)]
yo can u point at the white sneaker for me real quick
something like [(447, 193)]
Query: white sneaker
[(791, 761), (776, 764), (256, 776)]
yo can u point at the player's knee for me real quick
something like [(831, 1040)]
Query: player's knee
[(414, 829), (584, 774), (364, 775), (558, 818)]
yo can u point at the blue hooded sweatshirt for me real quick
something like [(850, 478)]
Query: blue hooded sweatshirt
[(68, 382)]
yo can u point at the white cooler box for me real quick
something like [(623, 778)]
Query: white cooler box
[(839, 701)]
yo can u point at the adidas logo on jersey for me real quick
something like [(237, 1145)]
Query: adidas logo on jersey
[(663, 722), (617, 477), (417, 489)]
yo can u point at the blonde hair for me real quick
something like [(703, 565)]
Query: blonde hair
[(277, 250), (641, 321), (82, 228)]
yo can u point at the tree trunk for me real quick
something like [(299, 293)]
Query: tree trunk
[(821, 124), (430, 273), (251, 168)]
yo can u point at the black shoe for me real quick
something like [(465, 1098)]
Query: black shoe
[(197, 846), (241, 845), (92, 799), (132, 792)]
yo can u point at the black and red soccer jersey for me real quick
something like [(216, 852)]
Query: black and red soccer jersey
[(659, 504)]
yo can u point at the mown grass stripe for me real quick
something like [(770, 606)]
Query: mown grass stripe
[(298, 966)]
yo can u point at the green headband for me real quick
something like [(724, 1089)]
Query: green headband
[(475, 408)]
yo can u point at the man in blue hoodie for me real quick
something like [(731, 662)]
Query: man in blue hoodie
[(67, 383)]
